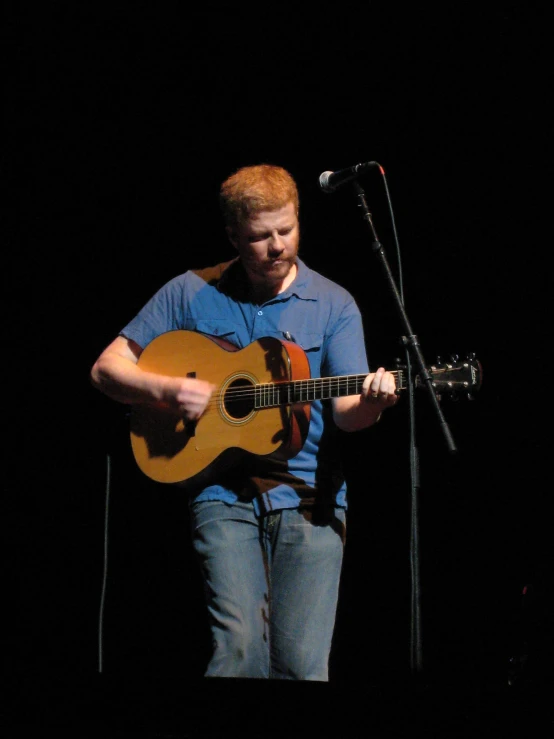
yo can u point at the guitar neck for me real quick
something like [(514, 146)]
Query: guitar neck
[(273, 394)]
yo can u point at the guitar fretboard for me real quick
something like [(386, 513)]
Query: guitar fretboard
[(273, 394)]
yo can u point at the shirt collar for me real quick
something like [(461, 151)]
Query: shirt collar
[(303, 285), (233, 282)]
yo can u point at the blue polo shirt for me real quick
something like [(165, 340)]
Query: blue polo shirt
[(317, 314)]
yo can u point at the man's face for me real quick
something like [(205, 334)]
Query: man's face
[(268, 246)]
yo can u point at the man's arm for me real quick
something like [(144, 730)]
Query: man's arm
[(117, 374), (356, 412)]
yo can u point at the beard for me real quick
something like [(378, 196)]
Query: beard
[(267, 276)]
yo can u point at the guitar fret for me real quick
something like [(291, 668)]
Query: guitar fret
[(273, 394)]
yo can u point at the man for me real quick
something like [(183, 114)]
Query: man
[(268, 528)]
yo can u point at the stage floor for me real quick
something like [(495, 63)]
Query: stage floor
[(118, 707)]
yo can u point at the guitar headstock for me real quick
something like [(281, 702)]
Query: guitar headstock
[(456, 377)]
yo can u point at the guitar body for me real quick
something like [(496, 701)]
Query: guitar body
[(169, 450)]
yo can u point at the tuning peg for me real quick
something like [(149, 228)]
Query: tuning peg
[(454, 358), (439, 361)]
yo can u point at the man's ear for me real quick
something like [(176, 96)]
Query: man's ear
[(231, 235)]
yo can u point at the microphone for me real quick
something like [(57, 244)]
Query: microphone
[(329, 181)]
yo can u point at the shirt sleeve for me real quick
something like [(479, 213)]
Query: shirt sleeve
[(345, 351), (163, 312)]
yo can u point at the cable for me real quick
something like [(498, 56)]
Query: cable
[(105, 569)]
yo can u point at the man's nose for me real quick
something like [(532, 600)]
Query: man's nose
[(276, 244)]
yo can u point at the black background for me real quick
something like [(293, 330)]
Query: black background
[(121, 124)]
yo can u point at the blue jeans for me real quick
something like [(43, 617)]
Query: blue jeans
[(271, 587)]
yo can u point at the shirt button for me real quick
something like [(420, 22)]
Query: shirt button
[(260, 312)]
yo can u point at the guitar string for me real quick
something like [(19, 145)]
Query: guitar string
[(272, 389), (235, 394), (316, 382)]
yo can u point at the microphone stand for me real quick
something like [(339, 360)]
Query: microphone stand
[(411, 344)]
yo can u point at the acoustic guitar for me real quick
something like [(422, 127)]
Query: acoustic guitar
[(261, 405)]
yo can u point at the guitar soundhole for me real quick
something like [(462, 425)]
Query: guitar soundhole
[(238, 400)]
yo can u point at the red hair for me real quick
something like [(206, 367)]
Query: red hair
[(256, 188)]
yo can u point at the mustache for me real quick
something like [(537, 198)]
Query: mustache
[(280, 258)]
